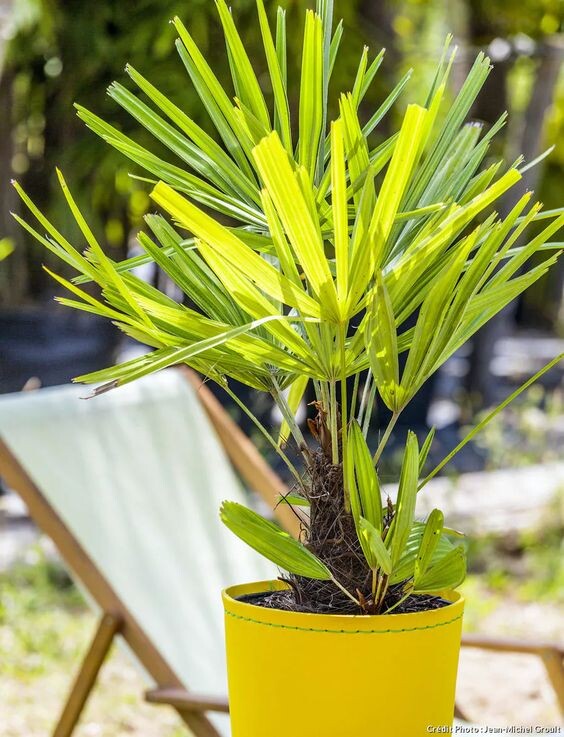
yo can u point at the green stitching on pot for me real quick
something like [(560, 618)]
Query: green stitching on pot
[(344, 632)]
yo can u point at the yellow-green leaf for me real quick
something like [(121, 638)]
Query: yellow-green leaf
[(404, 508), (272, 542), (378, 554), (233, 250), (363, 486), (382, 346), (6, 248), (339, 207), (295, 214), (429, 541)]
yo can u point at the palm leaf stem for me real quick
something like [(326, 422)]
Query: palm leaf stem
[(385, 436), (293, 470)]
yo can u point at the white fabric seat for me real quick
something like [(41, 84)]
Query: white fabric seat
[(138, 475)]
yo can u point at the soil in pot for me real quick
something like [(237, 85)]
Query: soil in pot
[(286, 600), (330, 534)]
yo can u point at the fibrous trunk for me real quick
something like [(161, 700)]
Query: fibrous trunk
[(330, 535)]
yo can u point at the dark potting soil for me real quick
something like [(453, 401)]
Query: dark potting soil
[(330, 534), (286, 601)]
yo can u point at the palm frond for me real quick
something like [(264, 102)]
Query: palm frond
[(331, 244)]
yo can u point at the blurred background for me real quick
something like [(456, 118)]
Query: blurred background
[(507, 488)]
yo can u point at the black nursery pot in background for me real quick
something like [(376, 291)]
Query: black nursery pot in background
[(52, 346)]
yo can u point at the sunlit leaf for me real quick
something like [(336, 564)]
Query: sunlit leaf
[(425, 448), (295, 214), (294, 499), (6, 248), (311, 93), (447, 574), (378, 554), (362, 480), (429, 541), (404, 509), (272, 542), (382, 348), (295, 396)]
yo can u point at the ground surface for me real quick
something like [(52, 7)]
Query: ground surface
[(44, 631), (506, 689)]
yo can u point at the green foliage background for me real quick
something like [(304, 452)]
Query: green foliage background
[(70, 52), (60, 53)]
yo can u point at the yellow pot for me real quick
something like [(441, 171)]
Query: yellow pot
[(319, 675)]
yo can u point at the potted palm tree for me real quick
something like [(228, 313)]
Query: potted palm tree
[(333, 244)]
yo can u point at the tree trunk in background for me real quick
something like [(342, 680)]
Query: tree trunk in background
[(551, 52), (12, 272), (377, 16), (552, 57), (492, 102)]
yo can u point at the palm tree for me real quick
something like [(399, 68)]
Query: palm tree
[(334, 243)]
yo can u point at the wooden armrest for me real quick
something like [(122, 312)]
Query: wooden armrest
[(502, 644), (186, 701), (551, 654)]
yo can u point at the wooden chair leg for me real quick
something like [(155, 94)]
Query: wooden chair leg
[(107, 629), (554, 664), (459, 714)]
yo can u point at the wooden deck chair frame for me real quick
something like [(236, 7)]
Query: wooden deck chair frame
[(116, 619)]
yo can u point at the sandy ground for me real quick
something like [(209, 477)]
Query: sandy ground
[(504, 689), (29, 704)]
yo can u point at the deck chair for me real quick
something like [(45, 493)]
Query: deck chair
[(128, 486)]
